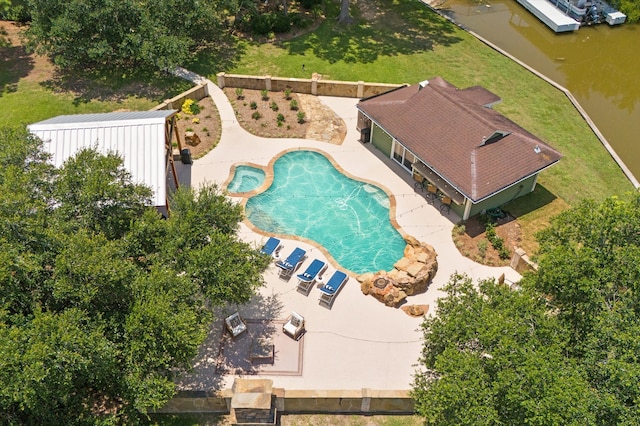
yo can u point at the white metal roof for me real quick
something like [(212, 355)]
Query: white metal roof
[(137, 136)]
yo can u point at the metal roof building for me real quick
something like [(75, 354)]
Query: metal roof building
[(141, 138)]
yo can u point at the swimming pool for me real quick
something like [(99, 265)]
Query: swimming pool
[(349, 218)]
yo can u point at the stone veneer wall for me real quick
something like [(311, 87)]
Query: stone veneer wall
[(196, 93), (314, 86), (363, 401)]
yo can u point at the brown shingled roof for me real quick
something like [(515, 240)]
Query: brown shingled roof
[(446, 128)]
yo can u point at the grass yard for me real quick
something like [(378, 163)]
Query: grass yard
[(31, 89), (402, 41)]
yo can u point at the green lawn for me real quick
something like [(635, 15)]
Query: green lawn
[(402, 41), (32, 102)]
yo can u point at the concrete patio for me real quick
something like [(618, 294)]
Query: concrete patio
[(359, 342)]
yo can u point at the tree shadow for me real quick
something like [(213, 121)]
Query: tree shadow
[(15, 63), (114, 86), (225, 54), (387, 29), (535, 200), (207, 374)]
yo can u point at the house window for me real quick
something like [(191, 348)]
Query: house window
[(398, 152), (409, 159), (403, 156)]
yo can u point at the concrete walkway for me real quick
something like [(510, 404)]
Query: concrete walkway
[(359, 343)]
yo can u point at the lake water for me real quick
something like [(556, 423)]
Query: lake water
[(598, 64)]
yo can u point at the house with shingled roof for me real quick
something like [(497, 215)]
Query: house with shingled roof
[(452, 139)]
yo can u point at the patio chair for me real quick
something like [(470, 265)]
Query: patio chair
[(332, 287), (291, 263), (432, 193), (420, 181), (235, 325), (308, 277), (294, 326), (271, 247), (446, 204)]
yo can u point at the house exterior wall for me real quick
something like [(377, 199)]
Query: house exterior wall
[(381, 139), (515, 191)]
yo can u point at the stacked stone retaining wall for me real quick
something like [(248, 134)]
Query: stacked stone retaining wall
[(363, 401), (196, 93), (314, 85)]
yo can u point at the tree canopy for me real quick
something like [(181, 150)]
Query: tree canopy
[(561, 350), (123, 34), (103, 301)]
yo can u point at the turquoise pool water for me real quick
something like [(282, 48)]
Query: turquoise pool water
[(245, 179), (311, 199)]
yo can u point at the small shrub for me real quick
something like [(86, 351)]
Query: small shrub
[(204, 129), (293, 105), (239, 92), (482, 247), (287, 94), (265, 94), (309, 4), (261, 23), (496, 241), (195, 120), (281, 23), (256, 115), (280, 118), (207, 116), (301, 117), (187, 106), (459, 229), (274, 106), (279, 123), (190, 107), (300, 21), (188, 129), (254, 105)]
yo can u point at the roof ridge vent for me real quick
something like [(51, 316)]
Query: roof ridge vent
[(494, 137)]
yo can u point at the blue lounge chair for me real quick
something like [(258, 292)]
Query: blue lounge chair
[(291, 263), (331, 288), (308, 277), (271, 247)]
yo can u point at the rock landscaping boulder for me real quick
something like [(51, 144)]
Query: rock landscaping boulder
[(415, 310), (191, 138), (410, 275)]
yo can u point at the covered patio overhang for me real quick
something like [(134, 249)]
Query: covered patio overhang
[(443, 186)]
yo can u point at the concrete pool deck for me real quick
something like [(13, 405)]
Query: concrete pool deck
[(359, 342)]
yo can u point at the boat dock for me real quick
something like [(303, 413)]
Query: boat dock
[(565, 15), (550, 15)]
